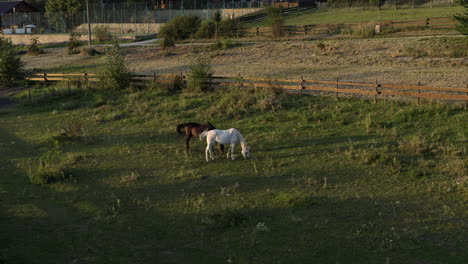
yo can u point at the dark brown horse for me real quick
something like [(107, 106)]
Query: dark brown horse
[(194, 130)]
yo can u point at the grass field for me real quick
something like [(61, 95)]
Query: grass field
[(329, 181), (356, 15)]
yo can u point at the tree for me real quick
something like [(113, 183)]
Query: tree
[(11, 65), (61, 12), (463, 19)]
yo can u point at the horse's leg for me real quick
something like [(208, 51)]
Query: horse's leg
[(228, 152), (207, 151), (187, 141), (221, 148), (232, 150)]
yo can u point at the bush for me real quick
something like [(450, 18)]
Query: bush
[(73, 43), (206, 30), (11, 65), (463, 19), (167, 42), (228, 28), (33, 48), (102, 34), (115, 74), (180, 27), (199, 74), (275, 18)]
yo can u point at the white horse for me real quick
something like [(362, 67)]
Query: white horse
[(230, 137)]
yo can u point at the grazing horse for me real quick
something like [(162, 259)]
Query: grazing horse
[(231, 136), (195, 130)]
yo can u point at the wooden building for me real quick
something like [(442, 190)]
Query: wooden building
[(17, 14)]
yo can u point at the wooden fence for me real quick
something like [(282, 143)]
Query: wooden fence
[(375, 91), (427, 23)]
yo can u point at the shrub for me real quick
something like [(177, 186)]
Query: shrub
[(167, 42), (462, 19), (11, 65), (114, 74), (73, 43), (180, 27), (33, 48), (206, 30), (102, 34), (199, 74), (228, 28), (275, 18)]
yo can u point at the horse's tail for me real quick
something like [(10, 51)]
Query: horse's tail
[(179, 128), (203, 135)]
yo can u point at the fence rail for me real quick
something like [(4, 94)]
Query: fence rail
[(429, 23), (375, 91)]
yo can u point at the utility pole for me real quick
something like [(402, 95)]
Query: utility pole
[(89, 24)]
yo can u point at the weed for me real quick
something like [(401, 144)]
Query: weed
[(414, 145), (130, 178), (73, 43), (72, 131), (50, 167), (33, 47)]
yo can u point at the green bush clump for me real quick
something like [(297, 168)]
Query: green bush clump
[(180, 27), (207, 29), (115, 74), (11, 65), (200, 74)]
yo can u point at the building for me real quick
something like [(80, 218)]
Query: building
[(17, 14)]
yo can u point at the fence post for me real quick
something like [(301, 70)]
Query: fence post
[(302, 84), (428, 22), (154, 76), (419, 92), (45, 77), (336, 93), (257, 31), (466, 101), (241, 84), (85, 77), (305, 29), (377, 92), (30, 97)]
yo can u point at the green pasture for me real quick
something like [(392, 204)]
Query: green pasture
[(329, 181), (356, 15)]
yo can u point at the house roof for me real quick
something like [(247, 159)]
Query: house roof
[(21, 6)]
